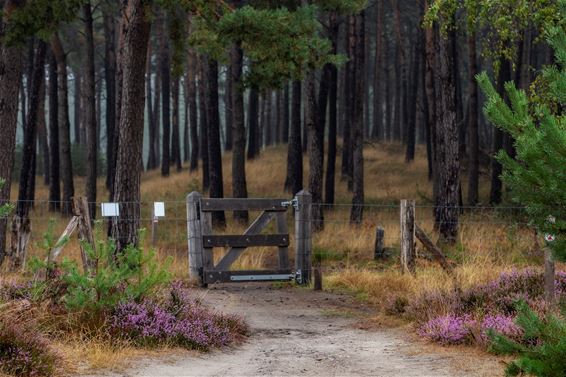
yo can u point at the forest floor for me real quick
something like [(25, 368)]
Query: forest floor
[(300, 332)]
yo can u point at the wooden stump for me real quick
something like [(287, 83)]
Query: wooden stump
[(408, 236), (379, 251)]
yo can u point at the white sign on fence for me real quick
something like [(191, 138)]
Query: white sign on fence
[(110, 209), (158, 209)]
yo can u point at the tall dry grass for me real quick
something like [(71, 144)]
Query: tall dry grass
[(489, 240)]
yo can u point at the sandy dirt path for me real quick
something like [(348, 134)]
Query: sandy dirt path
[(298, 332)]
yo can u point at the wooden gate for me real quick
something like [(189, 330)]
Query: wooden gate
[(201, 239)]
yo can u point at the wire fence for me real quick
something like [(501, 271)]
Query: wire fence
[(340, 244)]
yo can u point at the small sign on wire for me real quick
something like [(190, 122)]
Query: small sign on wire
[(110, 209)]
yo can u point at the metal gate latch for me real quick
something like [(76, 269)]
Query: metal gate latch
[(293, 202)]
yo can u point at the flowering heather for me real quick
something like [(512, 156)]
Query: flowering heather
[(24, 352), (501, 324), (178, 320), (13, 290), (448, 329)]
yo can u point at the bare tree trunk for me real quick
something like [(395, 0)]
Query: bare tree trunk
[(203, 126), (110, 84), (473, 135), (151, 154), (239, 186), (377, 130), (214, 146), (228, 112), (447, 141), (315, 129), (10, 81), (128, 167), (357, 122), (349, 94), (164, 66), (176, 135), (294, 180), (253, 126), (286, 114), (332, 117), (42, 135), (90, 111), (77, 102), (54, 181), (64, 126), (192, 104)]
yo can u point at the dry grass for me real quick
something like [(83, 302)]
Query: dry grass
[(489, 242)]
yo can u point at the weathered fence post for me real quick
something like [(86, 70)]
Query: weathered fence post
[(195, 238), (80, 208), (303, 229), (408, 236), (549, 270), (379, 251)]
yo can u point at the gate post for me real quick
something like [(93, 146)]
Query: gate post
[(303, 237), (194, 238)]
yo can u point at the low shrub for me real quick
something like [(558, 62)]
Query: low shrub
[(448, 329), (23, 350), (177, 320)]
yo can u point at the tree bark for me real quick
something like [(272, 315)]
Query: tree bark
[(473, 135), (90, 112), (377, 130), (356, 213), (294, 180), (239, 186), (110, 84), (77, 102), (332, 117), (54, 180), (30, 133), (176, 135), (214, 146), (128, 167), (192, 104), (42, 134), (228, 112), (152, 129), (253, 126), (203, 125), (10, 81), (164, 66), (315, 129), (64, 126), (447, 141), (286, 114), (349, 95)]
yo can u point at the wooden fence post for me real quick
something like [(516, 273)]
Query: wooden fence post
[(408, 236), (80, 208), (379, 251), (549, 270), (195, 238), (303, 228)]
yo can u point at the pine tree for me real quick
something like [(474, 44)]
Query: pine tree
[(536, 176)]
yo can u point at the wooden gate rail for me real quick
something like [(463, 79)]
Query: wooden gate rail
[(201, 239)]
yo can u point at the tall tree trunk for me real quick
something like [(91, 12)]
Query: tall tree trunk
[(239, 186), (64, 126), (294, 180), (349, 94), (54, 179), (228, 115), (214, 146), (447, 141), (151, 153), (286, 114), (192, 104), (90, 111), (412, 105), (203, 125), (186, 132), (315, 152), (157, 97), (357, 122), (10, 81), (164, 66), (332, 117), (176, 135), (253, 126), (377, 130), (128, 166), (473, 135), (110, 84), (42, 135), (30, 133), (77, 102)]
